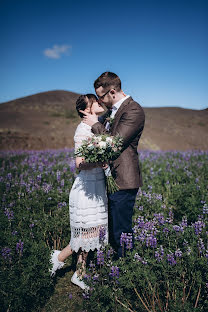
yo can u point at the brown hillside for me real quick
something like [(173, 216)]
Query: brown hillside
[(48, 120)]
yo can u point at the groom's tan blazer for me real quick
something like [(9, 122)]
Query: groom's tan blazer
[(129, 123)]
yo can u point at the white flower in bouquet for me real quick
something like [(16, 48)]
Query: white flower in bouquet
[(109, 139), (91, 146), (102, 148), (102, 144)]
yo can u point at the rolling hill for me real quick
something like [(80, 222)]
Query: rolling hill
[(48, 120)]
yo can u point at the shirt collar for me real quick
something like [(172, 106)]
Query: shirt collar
[(116, 106)]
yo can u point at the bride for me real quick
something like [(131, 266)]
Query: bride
[(87, 202)]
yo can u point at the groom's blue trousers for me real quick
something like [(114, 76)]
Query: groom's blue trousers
[(121, 206)]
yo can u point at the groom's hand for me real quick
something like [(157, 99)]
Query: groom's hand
[(89, 119)]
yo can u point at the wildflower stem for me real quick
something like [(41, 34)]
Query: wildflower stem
[(193, 282), (138, 295), (197, 298), (121, 303), (159, 303)]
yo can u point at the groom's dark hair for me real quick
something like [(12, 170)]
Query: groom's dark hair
[(82, 102), (107, 80)]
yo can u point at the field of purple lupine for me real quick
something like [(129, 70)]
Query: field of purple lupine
[(166, 271)]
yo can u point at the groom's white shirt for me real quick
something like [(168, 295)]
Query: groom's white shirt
[(115, 108)]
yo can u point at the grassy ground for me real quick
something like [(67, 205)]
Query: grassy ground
[(67, 297)]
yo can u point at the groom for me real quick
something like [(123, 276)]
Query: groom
[(127, 119)]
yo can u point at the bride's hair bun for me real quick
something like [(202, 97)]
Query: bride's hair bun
[(83, 101)]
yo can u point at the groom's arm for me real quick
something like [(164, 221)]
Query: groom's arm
[(99, 128), (131, 124)]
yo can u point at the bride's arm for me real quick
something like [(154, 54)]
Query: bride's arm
[(82, 165)]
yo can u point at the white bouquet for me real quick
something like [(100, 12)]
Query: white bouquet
[(102, 148)]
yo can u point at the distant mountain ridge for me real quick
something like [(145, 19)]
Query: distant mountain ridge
[(48, 120)]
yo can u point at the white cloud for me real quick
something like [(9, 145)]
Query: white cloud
[(57, 50)]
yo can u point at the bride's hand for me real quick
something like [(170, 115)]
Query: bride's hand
[(89, 119)]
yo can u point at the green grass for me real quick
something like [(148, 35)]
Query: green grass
[(60, 300)]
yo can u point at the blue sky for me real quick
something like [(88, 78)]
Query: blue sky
[(158, 48)]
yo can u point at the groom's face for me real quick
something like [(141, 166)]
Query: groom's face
[(104, 96)]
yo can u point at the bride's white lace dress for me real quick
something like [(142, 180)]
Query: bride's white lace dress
[(88, 205)]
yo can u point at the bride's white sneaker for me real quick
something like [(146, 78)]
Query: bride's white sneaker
[(75, 280), (56, 263)]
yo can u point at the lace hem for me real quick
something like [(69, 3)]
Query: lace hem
[(89, 238)]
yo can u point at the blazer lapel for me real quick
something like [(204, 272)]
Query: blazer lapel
[(119, 111)]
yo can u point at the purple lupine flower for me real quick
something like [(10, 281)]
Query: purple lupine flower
[(72, 166), (70, 296), (177, 228), (62, 204), (129, 244), (19, 247), (47, 187), (62, 183), (114, 272), (14, 233), (87, 277), (198, 226), (140, 222), (86, 295), (159, 254), (151, 241), (205, 209), (141, 208), (100, 257), (95, 277), (166, 231), (9, 176), (123, 238), (200, 245), (6, 253), (126, 240), (140, 259), (170, 218), (102, 234), (110, 253), (188, 252), (170, 258), (178, 253), (31, 225), (184, 222), (158, 196), (39, 176), (91, 265), (160, 218), (9, 214), (58, 175), (137, 257)]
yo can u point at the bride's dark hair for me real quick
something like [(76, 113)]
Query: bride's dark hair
[(82, 102)]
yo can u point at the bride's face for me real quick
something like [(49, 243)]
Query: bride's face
[(95, 107)]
